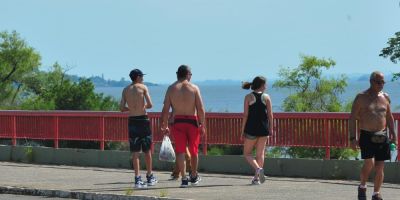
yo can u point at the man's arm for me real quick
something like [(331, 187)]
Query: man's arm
[(165, 111), (122, 104), (148, 104), (355, 109), (201, 114), (390, 123)]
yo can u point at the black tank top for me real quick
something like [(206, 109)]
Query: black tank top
[(257, 120)]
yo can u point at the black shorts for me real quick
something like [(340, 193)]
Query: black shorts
[(139, 133), (369, 150)]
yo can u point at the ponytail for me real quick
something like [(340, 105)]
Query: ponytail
[(258, 81), (246, 85)]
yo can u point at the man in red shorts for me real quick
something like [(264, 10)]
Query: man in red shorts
[(187, 106)]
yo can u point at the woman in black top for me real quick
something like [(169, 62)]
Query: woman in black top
[(257, 125)]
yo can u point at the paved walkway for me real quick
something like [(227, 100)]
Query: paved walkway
[(117, 184)]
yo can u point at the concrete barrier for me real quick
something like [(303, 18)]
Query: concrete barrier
[(229, 164)]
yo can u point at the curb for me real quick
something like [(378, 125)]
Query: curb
[(75, 195)]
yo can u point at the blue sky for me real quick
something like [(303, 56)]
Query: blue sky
[(219, 39)]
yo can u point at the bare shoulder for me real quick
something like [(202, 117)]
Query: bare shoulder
[(362, 95), (266, 96), (249, 96), (143, 86), (171, 87), (126, 88), (386, 95), (194, 86)]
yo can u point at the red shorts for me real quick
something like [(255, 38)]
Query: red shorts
[(186, 132)]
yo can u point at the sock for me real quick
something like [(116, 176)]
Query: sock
[(375, 193), (362, 186)]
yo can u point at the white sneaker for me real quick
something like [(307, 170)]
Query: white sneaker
[(255, 181), (261, 175)]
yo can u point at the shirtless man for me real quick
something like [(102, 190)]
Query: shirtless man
[(135, 100), (187, 106), (372, 110)]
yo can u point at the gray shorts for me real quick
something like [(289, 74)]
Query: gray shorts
[(250, 137)]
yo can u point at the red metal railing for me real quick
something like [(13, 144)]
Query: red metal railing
[(323, 130)]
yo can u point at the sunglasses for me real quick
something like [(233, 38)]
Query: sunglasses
[(381, 82)]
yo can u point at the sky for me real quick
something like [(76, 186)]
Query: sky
[(218, 39)]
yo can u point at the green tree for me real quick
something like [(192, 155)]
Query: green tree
[(393, 51), (53, 90), (312, 93), (18, 61)]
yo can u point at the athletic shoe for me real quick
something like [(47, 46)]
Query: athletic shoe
[(377, 197), (255, 181), (195, 180), (151, 180), (174, 176), (362, 193), (261, 175), (139, 183), (185, 183)]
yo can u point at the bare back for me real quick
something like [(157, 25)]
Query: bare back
[(183, 96), (371, 111), (134, 97)]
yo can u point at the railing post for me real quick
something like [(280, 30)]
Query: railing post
[(56, 132), (14, 131), (102, 133), (328, 140)]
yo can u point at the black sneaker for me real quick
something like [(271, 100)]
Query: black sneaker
[(362, 193), (195, 180), (139, 183), (185, 183), (151, 180), (377, 197)]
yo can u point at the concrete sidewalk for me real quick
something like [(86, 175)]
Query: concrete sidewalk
[(105, 183)]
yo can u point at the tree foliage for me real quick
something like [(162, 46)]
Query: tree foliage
[(393, 51), (18, 61), (53, 90), (312, 93), (24, 86)]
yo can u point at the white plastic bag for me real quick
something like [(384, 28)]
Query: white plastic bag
[(167, 152)]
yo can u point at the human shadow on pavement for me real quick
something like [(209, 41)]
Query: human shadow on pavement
[(339, 182), (120, 189)]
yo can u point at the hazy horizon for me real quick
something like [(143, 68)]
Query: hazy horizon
[(223, 39)]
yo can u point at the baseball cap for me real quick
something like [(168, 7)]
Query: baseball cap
[(136, 72)]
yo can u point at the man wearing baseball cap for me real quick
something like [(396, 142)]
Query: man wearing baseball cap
[(135, 100)]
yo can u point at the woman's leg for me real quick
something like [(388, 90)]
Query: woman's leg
[(248, 154), (260, 150)]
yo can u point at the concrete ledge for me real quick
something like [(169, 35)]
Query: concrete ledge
[(230, 164), (76, 195), (5, 153)]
